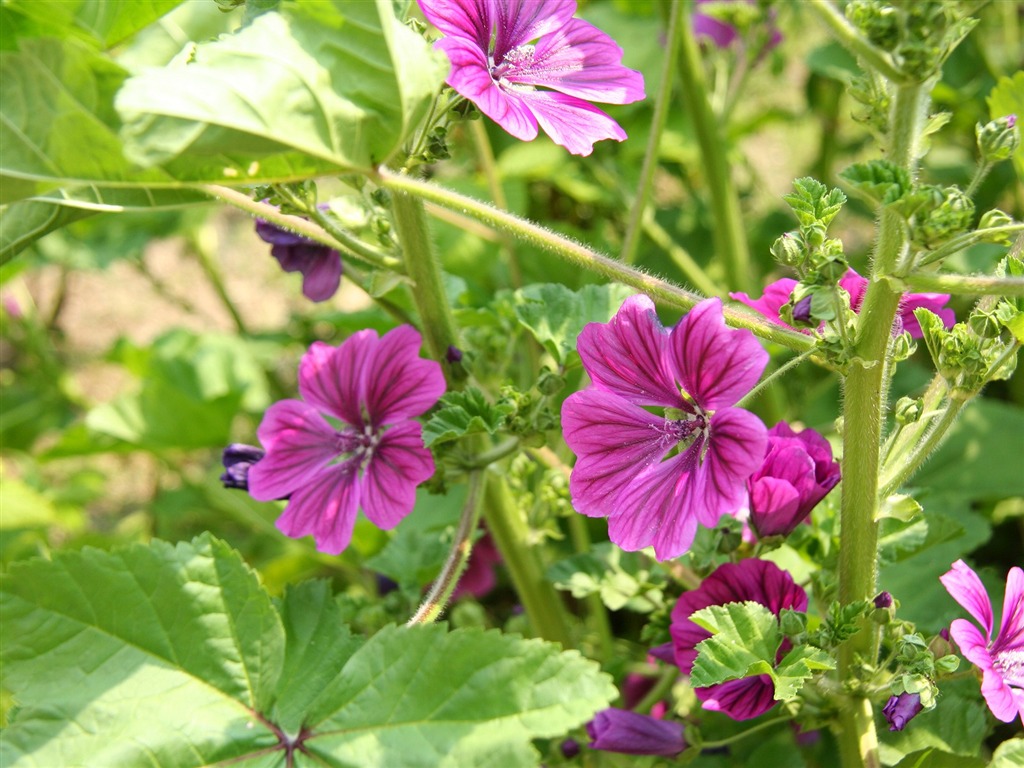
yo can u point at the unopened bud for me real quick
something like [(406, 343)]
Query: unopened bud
[(908, 411), (789, 250), (998, 139)]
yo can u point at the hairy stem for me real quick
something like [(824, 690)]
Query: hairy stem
[(485, 157), (972, 285), (853, 41)]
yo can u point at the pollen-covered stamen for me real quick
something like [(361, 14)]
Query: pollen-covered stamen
[(687, 428), (360, 446), (1010, 664), (520, 57)]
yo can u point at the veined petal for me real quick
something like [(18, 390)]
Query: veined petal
[(325, 508), (627, 355), (1011, 630), (933, 302), (299, 443), (736, 445), (471, 77), (520, 21), (320, 268), (999, 696), (973, 645), (469, 19), (399, 383), (614, 441), (770, 304), (715, 364), (742, 699), (774, 506), (333, 379), (966, 588), (399, 464), (582, 61), (570, 122)]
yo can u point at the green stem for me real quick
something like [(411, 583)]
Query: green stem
[(858, 740), (743, 734), (979, 176), (462, 547), (896, 476), (966, 240), (596, 609), (650, 164), (511, 535), (485, 156), (973, 285), (728, 228), (488, 457), (661, 689), (581, 256), (203, 244), (852, 40)]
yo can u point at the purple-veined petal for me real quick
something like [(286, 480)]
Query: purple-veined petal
[(999, 696), (735, 448), (973, 645), (520, 21), (320, 267), (325, 507), (469, 19), (570, 122), (933, 302), (298, 442), (742, 699), (966, 588), (770, 304), (333, 379), (1011, 630), (715, 364), (399, 383), (614, 441), (399, 464), (774, 506), (582, 61), (627, 355)]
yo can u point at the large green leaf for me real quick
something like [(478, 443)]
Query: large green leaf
[(744, 639), (325, 86), (104, 22)]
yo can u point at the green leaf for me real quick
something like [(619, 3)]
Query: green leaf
[(152, 655), (555, 315), (1009, 754), (319, 86), (797, 666), (744, 640), (464, 413), (813, 202), (622, 579), (1007, 98), (22, 505), (103, 22), (936, 758), (877, 181)]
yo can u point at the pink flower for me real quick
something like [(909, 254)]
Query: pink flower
[(778, 293), (320, 266), (1001, 660), (620, 474), (757, 580), (374, 460), (796, 474), (496, 65)]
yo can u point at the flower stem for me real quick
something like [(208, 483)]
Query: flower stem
[(500, 451), (728, 228), (852, 40), (691, 270), (511, 535), (581, 256), (936, 434), (973, 285), (462, 547), (743, 734), (966, 240), (636, 214)]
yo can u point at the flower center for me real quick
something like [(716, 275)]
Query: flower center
[(1010, 664), (685, 428), (519, 57), (357, 447)]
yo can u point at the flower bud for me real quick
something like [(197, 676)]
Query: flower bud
[(238, 459), (883, 600), (998, 139), (789, 250), (952, 216), (619, 730), (901, 709), (908, 410), (985, 324)]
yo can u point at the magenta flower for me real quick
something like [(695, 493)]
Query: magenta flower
[(796, 474), (619, 730), (320, 266), (1000, 659), (778, 293), (757, 580), (374, 460), (620, 474), (507, 54)]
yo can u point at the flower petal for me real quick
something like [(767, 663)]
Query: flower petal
[(736, 445), (520, 21), (966, 588), (399, 383), (631, 733), (999, 696), (774, 507), (715, 364), (614, 441), (299, 444), (742, 699), (321, 272), (973, 645), (1011, 630), (580, 60), (325, 508), (570, 122), (856, 286), (468, 19), (933, 302), (770, 304), (399, 464), (627, 355), (333, 379)]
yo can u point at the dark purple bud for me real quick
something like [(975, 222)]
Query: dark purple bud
[(238, 458), (802, 310), (454, 354), (619, 730), (883, 600), (385, 585), (944, 633), (664, 652), (901, 709), (570, 748)]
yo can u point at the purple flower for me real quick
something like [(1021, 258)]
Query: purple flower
[(883, 600), (619, 730), (797, 473), (620, 474), (320, 266), (757, 580), (497, 65), (721, 33), (238, 459), (374, 460), (900, 710), (778, 293), (1000, 659)]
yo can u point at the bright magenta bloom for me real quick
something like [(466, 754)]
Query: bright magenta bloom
[(757, 580), (776, 294), (506, 54), (374, 460), (698, 370), (1000, 659)]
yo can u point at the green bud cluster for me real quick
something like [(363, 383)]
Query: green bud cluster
[(908, 410), (998, 139), (943, 213), (974, 352)]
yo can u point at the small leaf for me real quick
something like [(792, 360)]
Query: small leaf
[(1009, 754), (745, 638), (622, 579), (464, 413), (899, 506), (796, 668), (878, 181), (813, 202)]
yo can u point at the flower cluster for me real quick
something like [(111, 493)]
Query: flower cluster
[(374, 386), (320, 266), (507, 54), (623, 470)]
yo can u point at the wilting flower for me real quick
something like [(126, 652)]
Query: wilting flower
[(722, 33), (796, 474), (759, 581), (1000, 659), (238, 459), (778, 293), (507, 54), (320, 266), (374, 460), (619, 730), (620, 474), (900, 710)]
